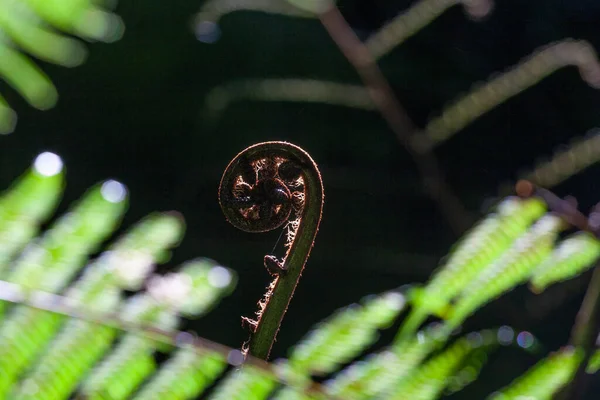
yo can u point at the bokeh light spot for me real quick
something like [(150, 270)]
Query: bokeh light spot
[(219, 277), (525, 339), (113, 191), (48, 164)]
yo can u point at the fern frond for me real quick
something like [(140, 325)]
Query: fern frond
[(68, 358), (475, 251), (292, 90), (125, 265), (30, 26), (528, 72), (379, 371), (343, 336), (184, 376), (582, 154), (213, 10), (247, 383), (199, 296), (418, 16), (49, 263), (511, 269), (544, 379), (430, 379), (572, 256), (27, 204)]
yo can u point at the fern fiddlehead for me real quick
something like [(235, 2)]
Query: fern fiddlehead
[(262, 187)]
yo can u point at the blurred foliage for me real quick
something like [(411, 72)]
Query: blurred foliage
[(34, 27), (110, 350), (118, 336)]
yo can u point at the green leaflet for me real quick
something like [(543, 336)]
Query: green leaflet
[(29, 26), (343, 336), (49, 265), (594, 363), (208, 283), (76, 348), (379, 371), (479, 247), (51, 262), (27, 204), (511, 269), (571, 257), (429, 380), (125, 265), (247, 383), (184, 376), (544, 379)]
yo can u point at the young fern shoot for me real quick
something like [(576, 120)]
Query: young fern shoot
[(264, 187)]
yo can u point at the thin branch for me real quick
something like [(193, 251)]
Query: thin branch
[(396, 116)]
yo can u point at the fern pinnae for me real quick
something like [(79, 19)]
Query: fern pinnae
[(124, 265), (580, 155), (70, 355), (544, 379), (375, 374), (343, 336), (50, 263), (418, 16), (8, 118), (286, 89), (22, 25), (197, 293), (184, 376), (76, 338), (213, 10), (528, 72), (27, 204), (429, 380), (572, 256), (510, 270), (26, 78), (474, 252), (247, 383)]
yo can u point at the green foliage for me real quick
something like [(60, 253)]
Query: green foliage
[(479, 247), (543, 379), (51, 355), (345, 335), (570, 258), (33, 26)]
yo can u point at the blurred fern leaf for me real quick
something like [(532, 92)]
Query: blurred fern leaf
[(343, 336), (33, 26), (473, 253), (544, 379)]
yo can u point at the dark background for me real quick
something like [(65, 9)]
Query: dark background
[(136, 112)]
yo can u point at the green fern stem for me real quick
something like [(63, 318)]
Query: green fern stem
[(269, 180)]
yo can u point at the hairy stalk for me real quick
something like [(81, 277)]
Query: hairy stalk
[(261, 188)]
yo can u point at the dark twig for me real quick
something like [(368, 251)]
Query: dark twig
[(587, 323), (396, 117)]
